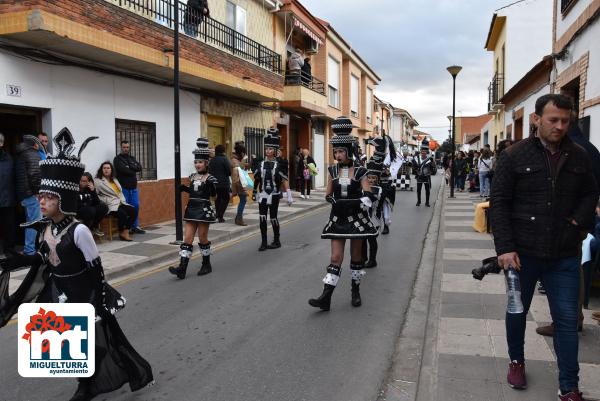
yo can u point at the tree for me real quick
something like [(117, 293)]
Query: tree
[(446, 147)]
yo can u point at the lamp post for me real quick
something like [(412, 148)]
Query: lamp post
[(176, 133), (453, 70)]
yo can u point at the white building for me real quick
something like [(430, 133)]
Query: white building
[(577, 60)]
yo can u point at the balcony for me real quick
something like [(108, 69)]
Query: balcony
[(495, 93), (205, 29), (304, 93), (135, 38)]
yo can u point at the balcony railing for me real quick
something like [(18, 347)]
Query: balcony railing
[(305, 80), (204, 29), (495, 91), (565, 4)]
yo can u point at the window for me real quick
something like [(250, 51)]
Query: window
[(354, 85), (236, 17), (254, 140), (142, 140), (369, 108), (333, 82)]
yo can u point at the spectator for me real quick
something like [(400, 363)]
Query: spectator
[(304, 173), (111, 193), (538, 231), (193, 16), (237, 160), (126, 169), (297, 157), (306, 71), (28, 180), (90, 210), (295, 64), (43, 150), (220, 168), (7, 199), (485, 173), (460, 171)]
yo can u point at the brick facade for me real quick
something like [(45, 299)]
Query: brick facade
[(578, 69), (106, 17)]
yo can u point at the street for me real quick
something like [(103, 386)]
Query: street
[(246, 331)]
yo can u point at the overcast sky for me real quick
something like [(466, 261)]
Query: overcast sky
[(409, 44)]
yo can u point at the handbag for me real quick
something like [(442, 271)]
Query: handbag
[(245, 179), (306, 173)]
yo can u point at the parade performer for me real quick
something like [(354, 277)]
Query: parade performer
[(424, 167), (270, 182), (350, 195), (374, 167), (67, 268), (199, 213), (391, 166)]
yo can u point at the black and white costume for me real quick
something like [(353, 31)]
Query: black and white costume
[(269, 178), (68, 268), (199, 210), (370, 247), (349, 217), (391, 165), (424, 168)]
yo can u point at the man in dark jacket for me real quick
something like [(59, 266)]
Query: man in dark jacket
[(28, 181), (7, 199), (194, 14), (542, 203), (220, 168), (126, 171)]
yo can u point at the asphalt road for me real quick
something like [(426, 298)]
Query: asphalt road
[(246, 332)]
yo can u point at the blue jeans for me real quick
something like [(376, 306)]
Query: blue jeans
[(460, 181), (32, 213), (484, 184), (243, 197), (132, 197), (560, 278)]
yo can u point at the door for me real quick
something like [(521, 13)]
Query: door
[(319, 156), (216, 136)]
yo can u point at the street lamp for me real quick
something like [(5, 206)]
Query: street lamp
[(453, 70), (177, 156)]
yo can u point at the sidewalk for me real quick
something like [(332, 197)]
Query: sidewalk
[(471, 358), (153, 248)]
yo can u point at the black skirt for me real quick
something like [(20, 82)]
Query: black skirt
[(200, 211), (348, 220)]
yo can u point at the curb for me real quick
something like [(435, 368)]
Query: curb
[(412, 374), (220, 241)]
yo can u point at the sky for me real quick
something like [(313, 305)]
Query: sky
[(409, 44)]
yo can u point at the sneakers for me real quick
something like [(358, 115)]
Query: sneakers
[(541, 288), (516, 375), (137, 230), (574, 395), (98, 233), (302, 196), (307, 196)]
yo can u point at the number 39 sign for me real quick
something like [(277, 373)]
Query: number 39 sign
[(13, 90)]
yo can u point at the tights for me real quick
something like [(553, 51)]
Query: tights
[(272, 209)]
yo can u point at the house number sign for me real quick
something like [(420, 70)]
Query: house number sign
[(13, 90)]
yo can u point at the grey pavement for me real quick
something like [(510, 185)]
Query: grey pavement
[(463, 354), (121, 258), (246, 332)]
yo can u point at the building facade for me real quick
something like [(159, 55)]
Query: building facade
[(577, 60)]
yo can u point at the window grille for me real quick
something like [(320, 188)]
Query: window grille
[(142, 144), (254, 140)]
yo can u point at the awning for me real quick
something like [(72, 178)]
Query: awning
[(298, 24)]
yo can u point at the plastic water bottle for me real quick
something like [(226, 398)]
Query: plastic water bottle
[(513, 291)]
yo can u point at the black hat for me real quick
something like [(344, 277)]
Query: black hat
[(202, 152), (61, 173), (425, 145), (342, 128), (375, 165), (272, 138)]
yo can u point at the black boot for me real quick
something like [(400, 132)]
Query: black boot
[(206, 267), (185, 254), (386, 229), (324, 301), (372, 262), (331, 279), (356, 301), (263, 233), (83, 391), (275, 244), (357, 273)]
